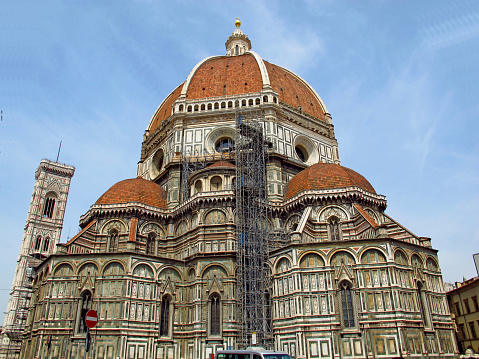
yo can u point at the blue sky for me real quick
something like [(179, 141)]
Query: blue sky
[(400, 79)]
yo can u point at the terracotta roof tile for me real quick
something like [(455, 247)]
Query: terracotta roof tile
[(221, 164), (323, 176), (227, 75), (135, 190)]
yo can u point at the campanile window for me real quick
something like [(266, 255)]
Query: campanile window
[(48, 207)]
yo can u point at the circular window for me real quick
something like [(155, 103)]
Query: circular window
[(225, 144), (302, 153), (156, 163), (305, 150)]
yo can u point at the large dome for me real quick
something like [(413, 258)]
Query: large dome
[(324, 176), (135, 190), (244, 74)]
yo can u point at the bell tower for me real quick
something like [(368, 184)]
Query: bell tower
[(41, 235)]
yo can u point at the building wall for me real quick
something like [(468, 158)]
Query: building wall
[(464, 307)]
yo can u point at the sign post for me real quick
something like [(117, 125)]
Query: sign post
[(91, 319)]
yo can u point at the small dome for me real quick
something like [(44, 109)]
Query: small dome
[(135, 190), (323, 176)]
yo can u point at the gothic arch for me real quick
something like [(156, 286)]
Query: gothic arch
[(330, 211), (347, 253), (417, 260), (149, 227), (109, 264), (195, 220), (50, 204), (400, 257), (62, 269), (214, 216), (283, 264), (88, 265), (170, 270), (112, 224), (292, 222), (380, 253), (306, 257), (144, 270), (432, 264), (181, 228), (210, 266)]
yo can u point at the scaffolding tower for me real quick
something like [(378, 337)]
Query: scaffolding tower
[(252, 231)]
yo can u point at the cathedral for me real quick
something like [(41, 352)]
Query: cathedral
[(242, 227)]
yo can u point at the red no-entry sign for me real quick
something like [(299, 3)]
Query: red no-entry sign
[(91, 318)]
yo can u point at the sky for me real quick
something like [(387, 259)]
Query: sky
[(400, 79)]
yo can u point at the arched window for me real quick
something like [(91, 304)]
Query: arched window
[(150, 243), (334, 229), (198, 186), (216, 183), (165, 316), (215, 315), (347, 309), (236, 50), (38, 242), (113, 241), (46, 244), (49, 206), (83, 307)]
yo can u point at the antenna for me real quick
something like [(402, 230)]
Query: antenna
[(59, 148)]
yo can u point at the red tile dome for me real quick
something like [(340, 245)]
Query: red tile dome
[(135, 190), (323, 176), (244, 74)]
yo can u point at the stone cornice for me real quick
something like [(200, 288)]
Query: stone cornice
[(143, 210), (55, 168), (355, 194)]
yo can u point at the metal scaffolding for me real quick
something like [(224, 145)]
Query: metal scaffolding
[(252, 231), (21, 295), (191, 163)]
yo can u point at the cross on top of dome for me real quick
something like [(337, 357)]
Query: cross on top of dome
[(238, 43)]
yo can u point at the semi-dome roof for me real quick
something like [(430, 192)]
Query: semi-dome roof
[(248, 73), (323, 176), (223, 164), (135, 190)]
